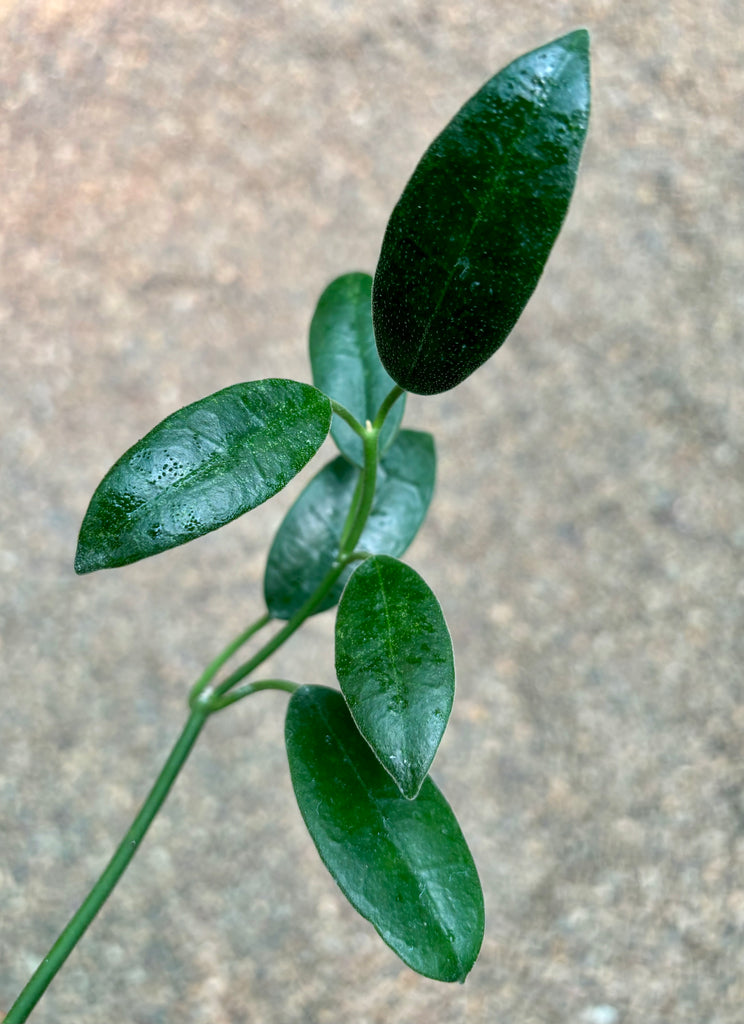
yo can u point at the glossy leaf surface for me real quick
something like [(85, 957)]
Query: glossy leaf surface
[(403, 864), (468, 240), (200, 468), (345, 363), (396, 668), (307, 541)]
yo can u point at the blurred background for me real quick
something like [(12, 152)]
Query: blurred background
[(178, 182)]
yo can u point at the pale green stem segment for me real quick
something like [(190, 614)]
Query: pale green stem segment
[(213, 668), (248, 688), (353, 511), (207, 696), (347, 417), (390, 399), (367, 494), (363, 432), (113, 871), (204, 700)]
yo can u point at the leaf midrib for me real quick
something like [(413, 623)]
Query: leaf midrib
[(389, 834), (538, 108), (227, 459)]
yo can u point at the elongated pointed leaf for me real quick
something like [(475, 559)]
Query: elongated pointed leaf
[(307, 541), (469, 237), (403, 864), (346, 365), (200, 468), (396, 668)]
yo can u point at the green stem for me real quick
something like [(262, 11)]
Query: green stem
[(347, 417), (364, 486), (369, 481), (353, 513), (207, 697), (248, 688), (387, 405), (212, 669), (113, 871)]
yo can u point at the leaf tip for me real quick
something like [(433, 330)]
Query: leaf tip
[(407, 773), (578, 41), (409, 784), (83, 562), (91, 553)]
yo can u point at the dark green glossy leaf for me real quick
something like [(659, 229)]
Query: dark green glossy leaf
[(403, 864), (200, 468), (346, 365), (469, 237), (307, 542), (396, 668)]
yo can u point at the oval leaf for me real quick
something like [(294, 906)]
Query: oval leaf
[(307, 541), (468, 240), (396, 668), (346, 365), (403, 864), (200, 468)]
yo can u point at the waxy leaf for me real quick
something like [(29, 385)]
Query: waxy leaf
[(468, 240), (403, 864), (307, 541), (345, 363), (201, 468), (396, 668)]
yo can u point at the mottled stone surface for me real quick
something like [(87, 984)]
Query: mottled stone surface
[(178, 181)]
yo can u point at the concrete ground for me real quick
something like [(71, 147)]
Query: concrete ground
[(178, 182)]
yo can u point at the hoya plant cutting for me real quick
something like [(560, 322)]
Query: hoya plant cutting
[(461, 255)]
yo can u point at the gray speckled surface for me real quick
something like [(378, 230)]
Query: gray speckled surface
[(178, 183)]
